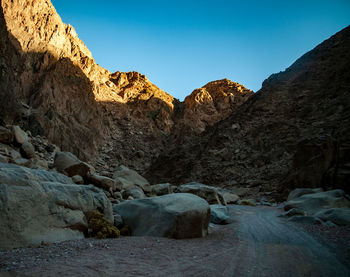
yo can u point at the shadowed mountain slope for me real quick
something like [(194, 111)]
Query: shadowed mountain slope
[(255, 147), (52, 86)]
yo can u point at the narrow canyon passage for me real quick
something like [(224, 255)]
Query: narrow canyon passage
[(257, 243)]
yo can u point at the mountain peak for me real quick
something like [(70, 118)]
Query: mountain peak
[(213, 102)]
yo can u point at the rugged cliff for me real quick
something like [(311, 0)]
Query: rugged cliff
[(52, 86), (258, 146), (222, 134), (212, 103)]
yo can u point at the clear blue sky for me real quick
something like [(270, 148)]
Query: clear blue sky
[(182, 45)]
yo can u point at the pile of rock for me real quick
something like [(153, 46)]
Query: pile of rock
[(49, 195), (39, 206), (315, 206), (20, 148)]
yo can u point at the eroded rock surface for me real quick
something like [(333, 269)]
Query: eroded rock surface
[(315, 206), (179, 216), (38, 206), (255, 146)]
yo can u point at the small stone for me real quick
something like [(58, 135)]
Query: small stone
[(77, 179), (6, 135), (161, 189), (220, 214), (22, 162), (117, 195), (41, 164), (235, 126), (135, 193), (20, 136), (27, 150), (140, 154), (247, 202), (41, 149)]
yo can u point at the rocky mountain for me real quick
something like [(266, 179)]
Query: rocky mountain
[(222, 134), (56, 89), (74, 139), (52, 86), (212, 103), (294, 132)]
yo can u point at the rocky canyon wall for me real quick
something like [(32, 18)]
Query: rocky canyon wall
[(304, 110), (52, 86)]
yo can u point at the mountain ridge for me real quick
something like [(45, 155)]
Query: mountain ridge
[(256, 147), (60, 92)]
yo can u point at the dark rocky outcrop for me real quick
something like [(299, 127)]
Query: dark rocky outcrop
[(222, 135), (314, 206), (52, 86), (255, 146)]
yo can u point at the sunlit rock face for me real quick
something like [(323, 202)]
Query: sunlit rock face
[(52, 86), (255, 146), (213, 102)]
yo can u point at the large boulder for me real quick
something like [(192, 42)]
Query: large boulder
[(127, 178), (210, 194), (313, 203), (68, 163), (135, 193), (103, 182), (161, 189), (328, 207), (229, 197), (338, 216), (39, 206), (302, 191), (179, 216)]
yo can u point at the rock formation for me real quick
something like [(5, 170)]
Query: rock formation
[(221, 135), (51, 196), (55, 88), (52, 86), (254, 147), (179, 216), (38, 206), (214, 102)]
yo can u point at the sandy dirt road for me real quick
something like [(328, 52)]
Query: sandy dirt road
[(257, 243)]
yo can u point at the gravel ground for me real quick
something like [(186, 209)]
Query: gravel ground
[(257, 243), (336, 238)]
